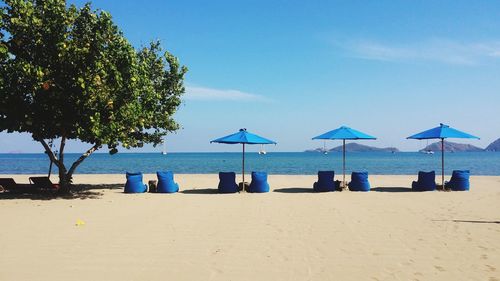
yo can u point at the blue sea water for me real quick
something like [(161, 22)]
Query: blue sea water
[(479, 163)]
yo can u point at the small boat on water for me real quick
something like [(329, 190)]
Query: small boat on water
[(164, 151), (427, 149), (262, 151)]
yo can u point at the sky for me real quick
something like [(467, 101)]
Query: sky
[(291, 70)]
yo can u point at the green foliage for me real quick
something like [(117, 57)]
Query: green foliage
[(70, 73)]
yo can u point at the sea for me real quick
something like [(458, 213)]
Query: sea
[(287, 163)]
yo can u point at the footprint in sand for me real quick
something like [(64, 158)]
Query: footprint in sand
[(439, 268), (484, 257), (491, 268), (217, 251)]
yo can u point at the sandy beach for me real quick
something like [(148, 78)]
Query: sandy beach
[(287, 234)]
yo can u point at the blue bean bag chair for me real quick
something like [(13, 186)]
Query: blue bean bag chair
[(359, 182), (426, 182), (166, 183), (459, 181), (227, 182), (325, 182), (134, 183), (259, 183)]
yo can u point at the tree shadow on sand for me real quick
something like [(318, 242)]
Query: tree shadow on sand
[(82, 187), (78, 191), (45, 196), (392, 189), (294, 190)]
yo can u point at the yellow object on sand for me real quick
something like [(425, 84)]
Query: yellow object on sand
[(79, 222)]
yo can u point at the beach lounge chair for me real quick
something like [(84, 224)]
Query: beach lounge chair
[(359, 182), (426, 182), (227, 182), (459, 181), (259, 183), (166, 183), (8, 184), (134, 183), (325, 181), (43, 183)]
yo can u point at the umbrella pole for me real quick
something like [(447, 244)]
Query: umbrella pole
[(442, 162), (243, 172), (343, 164)]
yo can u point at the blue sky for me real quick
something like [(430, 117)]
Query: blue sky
[(291, 70)]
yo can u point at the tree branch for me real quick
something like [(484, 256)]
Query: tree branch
[(51, 155), (61, 149), (80, 160)]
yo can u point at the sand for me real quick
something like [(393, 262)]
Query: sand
[(287, 234)]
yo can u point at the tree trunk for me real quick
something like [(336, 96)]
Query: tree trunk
[(65, 181), (65, 175), (64, 178)]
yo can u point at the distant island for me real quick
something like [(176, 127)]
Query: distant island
[(494, 146), (452, 147), (356, 147), (435, 147), (460, 147)]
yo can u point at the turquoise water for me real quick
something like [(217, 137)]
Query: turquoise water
[(480, 163)]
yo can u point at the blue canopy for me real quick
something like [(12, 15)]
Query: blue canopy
[(344, 133), (442, 132), (243, 136)]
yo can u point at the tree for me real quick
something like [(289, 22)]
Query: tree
[(69, 73)]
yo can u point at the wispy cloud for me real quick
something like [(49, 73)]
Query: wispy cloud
[(495, 54), (436, 50), (211, 94)]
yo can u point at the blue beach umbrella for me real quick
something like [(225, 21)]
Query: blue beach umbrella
[(243, 137), (442, 132), (344, 133)]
